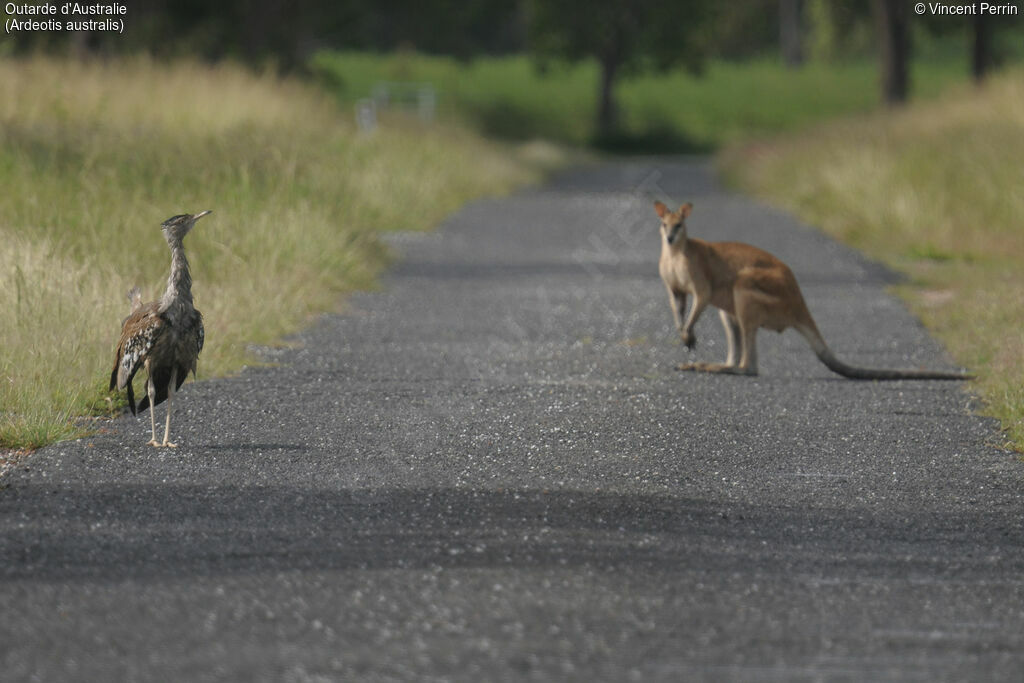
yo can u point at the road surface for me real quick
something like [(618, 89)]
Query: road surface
[(488, 470)]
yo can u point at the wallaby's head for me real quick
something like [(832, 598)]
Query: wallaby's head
[(673, 223)]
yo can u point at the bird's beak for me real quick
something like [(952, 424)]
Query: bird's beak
[(200, 215)]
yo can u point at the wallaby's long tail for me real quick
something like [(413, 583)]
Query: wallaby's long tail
[(837, 366), (849, 371)]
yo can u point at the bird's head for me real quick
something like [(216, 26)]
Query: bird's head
[(176, 227)]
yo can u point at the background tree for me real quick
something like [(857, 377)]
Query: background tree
[(988, 39), (791, 32), (743, 30), (981, 47), (892, 21), (620, 35)]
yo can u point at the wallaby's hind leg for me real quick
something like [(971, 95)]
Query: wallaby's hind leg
[(748, 359), (732, 336)]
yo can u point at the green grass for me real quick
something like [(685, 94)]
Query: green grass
[(94, 156), (675, 111), (934, 191)]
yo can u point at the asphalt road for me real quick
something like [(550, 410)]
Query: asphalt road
[(489, 471)]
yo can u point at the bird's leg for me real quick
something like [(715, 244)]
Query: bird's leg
[(151, 391), (170, 398)]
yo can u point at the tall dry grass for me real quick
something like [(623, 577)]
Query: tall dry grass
[(935, 191), (94, 156)]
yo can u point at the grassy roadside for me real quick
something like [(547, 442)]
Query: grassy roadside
[(94, 156), (934, 191), (508, 97)]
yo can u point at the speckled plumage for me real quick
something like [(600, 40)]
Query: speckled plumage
[(165, 336)]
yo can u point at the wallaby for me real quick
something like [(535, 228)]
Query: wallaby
[(752, 289)]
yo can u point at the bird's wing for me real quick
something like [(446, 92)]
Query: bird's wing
[(161, 376), (200, 338), (138, 334), (200, 332)]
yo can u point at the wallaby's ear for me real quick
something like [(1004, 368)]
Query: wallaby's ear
[(685, 210), (661, 209)]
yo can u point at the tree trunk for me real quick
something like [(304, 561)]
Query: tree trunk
[(791, 32), (607, 110), (79, 45), (981, 52), (893, 25)]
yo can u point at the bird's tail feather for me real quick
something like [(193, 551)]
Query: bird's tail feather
[(131, 398), (128, 386), (161, 379), (161, 396)]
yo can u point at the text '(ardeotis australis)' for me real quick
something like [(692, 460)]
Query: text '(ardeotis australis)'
[(163, 336)]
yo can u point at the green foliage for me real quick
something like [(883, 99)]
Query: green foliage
[(632, 33), (839, 30), (669, 112), (621, 36)]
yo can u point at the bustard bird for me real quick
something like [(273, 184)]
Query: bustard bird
[(165, 336)]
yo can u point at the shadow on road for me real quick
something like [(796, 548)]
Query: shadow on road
[(118, 532)]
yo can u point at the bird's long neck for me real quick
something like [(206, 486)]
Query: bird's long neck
[(179, 283)]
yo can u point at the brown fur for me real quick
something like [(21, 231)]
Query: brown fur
[(752, 289)]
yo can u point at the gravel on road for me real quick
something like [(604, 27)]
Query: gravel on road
[(488, 470)]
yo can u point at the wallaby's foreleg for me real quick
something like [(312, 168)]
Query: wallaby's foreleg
[(677, 300), (741, 335), (732, 335), (699, 304), (741, 341)]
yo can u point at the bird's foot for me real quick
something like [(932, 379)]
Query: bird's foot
[(168, 444), (154, 443)]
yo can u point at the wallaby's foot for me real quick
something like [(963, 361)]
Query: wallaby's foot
[(721, 368), (702, 367), (689, 339)]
